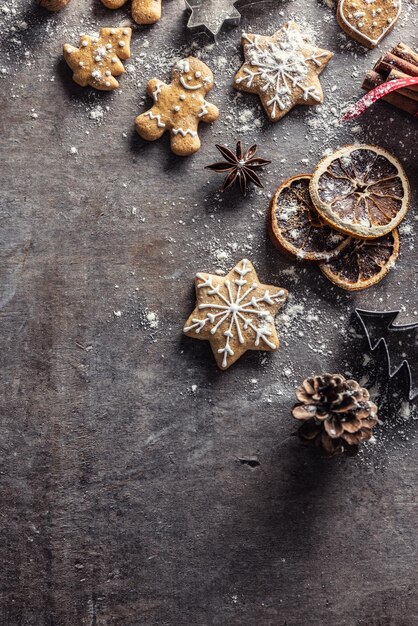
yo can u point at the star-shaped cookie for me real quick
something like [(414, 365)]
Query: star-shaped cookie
[(282, 69), (235, 313)]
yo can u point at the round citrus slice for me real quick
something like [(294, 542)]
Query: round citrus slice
[(363, 263), (295, 226), (361, 191)]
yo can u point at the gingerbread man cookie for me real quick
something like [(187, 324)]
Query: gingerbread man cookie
[(368, 21), (235, 313), (97, 61), (179, 107), (283, 70), (53, 5), (143, 11)]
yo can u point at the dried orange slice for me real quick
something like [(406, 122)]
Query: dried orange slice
[(295, 226), (363, 263), (361, 191)]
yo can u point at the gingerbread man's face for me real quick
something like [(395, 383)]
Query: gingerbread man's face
[(193, 75)]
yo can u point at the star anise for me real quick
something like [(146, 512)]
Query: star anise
[(239, 167)]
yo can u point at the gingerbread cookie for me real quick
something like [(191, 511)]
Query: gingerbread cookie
[(53, 5), (282, 70), (179, 107), (97, 61), (368, 21), (143, 11), (235, 313)]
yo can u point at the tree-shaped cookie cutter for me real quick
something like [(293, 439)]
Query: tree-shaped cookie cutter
[(402, 371), (225, 13)]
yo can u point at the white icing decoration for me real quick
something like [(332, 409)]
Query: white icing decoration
[(184, 66), (190, 87), (204, 110), (151, 115), (242, 309), (157, 91), (280, 67), (183, 133), (101, 51)]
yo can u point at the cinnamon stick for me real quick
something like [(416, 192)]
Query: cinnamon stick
[(409, 92), (400, 62), (389, 61), (406, 53), (374, 79)]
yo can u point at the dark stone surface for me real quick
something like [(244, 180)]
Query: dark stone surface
[(126, 498)]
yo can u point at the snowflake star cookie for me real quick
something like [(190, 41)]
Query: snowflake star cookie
[(282, 69), (143, 11), (98, 59), (179, 107), (235, 313), (368, 21)]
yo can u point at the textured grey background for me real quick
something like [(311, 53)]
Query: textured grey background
[(125, 497)]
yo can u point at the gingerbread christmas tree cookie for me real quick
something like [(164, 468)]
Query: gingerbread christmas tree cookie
[(235, 313), (368, 21), (283, 70), (179, 107), (98, 59), (143, 11)]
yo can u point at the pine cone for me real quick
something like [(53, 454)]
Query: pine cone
[(337, 413)]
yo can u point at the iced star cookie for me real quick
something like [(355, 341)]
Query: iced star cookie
[(368, 21), (235, 313), (179, 107), (143, 11), (98, 59), (283, 70), (53, 5)]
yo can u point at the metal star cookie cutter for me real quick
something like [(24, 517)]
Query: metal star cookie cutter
[(403, 371), (209, 16)]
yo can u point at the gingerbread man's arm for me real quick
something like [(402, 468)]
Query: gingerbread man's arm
[(208, 113), (154, 88), (146, 11)]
